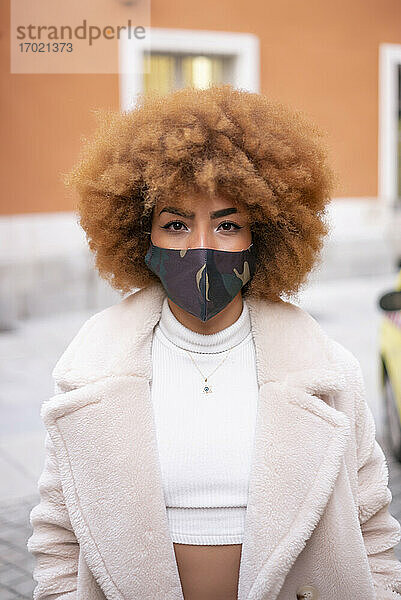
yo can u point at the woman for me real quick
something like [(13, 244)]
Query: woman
[(207, 439)]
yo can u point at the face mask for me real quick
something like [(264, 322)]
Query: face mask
[(202, 281)]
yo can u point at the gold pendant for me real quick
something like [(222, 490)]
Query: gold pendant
[(207, 389)]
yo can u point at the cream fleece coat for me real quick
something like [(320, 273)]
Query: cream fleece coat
[(318, 505)]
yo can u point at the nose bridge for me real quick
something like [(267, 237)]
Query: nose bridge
[(201, 235)]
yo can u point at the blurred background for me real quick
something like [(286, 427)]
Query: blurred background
[(339, 62)]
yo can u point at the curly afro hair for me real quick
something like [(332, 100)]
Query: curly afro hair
[(262, 155)]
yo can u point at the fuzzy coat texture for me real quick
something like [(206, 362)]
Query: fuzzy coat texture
[(318, 504)]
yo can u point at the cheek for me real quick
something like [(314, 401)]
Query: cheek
[(162, 237), (247, 234)]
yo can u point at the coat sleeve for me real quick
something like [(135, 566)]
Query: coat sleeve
[(381, 531), (53, 542)]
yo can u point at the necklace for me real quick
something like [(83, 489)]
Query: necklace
[(207, 389)]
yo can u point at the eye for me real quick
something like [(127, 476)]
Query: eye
[(167, 225), (230, 223)]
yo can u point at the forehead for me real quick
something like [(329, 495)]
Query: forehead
[(199, 203)]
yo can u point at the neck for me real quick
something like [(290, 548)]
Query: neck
[(223, 319)]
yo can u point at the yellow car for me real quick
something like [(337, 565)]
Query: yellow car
[(390, 365)]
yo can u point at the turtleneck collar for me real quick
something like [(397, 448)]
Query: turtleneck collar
[(193, 341)]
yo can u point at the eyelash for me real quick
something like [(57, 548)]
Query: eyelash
[(167, 225)]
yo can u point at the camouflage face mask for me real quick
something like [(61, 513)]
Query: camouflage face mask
[(202, 281)]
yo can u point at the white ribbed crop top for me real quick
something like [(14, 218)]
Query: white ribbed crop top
[(205, 441)]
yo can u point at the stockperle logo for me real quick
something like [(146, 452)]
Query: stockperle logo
[(78, 36)]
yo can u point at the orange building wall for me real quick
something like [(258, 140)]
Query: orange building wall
[(320, 57)]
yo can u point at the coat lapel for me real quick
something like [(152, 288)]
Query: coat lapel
[(104, 435), (300, 442)]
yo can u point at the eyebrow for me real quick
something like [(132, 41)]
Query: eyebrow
[(190, 215)]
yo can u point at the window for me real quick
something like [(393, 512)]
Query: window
[(390, 124), (399, 135), (176, 58), (165, 72)]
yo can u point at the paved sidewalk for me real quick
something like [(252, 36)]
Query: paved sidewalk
[(16, 563), (346, 309)]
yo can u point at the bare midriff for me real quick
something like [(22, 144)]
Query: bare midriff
[(208, 572)]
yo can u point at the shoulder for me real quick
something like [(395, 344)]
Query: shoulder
[(344, 357), (288, 330), (102, 342)]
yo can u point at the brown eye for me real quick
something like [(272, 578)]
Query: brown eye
[(167, 226), (230, 223)]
